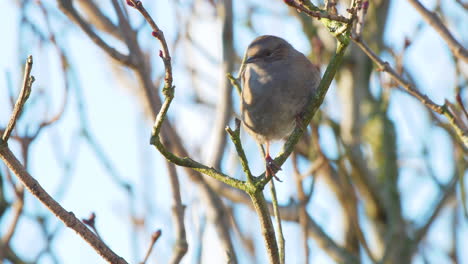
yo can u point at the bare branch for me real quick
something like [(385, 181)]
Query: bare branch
[(178, 211), (279, 228), (154, 238), (68, 218), (23, 96), (432, 19), (310, 9), (224, 104), (440, 109), (67, 8), (235, 137), (36, 189)]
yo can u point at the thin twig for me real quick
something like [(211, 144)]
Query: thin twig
[(68, 9), (168, 92), (224, 103), (159, 34), (23, 96), (303, 200), (235, 137), (235, 83), (330, 6), (336, 252), (310, 9), (68, 218), (91, 222), (432, 19), (169, 134), (440, 109), (17, 211), (361, 15), (268, 231), (154, 238), (255, 193), (279, 228), (464, 5), (99, 19), (178, 210), (447, 195)]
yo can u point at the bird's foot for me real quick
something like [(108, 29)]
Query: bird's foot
[(271, 168)]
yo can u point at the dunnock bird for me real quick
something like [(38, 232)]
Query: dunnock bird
[(277, 82)]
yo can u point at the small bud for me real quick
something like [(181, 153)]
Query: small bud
[(156, 235), (155, 34), (365, 5), (407, 42), (161, 54), (130, 3), (91, 220)]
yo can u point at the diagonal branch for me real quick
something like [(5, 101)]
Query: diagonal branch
[(67, 8), (432, 19), (154, 238), (68, 218), (440, 109)]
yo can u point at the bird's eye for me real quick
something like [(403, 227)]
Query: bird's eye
[(268, 53)]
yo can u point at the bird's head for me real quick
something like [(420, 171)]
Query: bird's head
[(267, 49)]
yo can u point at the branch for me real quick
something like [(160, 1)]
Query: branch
[(339, 254), (302, 199), (67, 8), (235, 83), (235, 137), (214, 203), (178, 210), (464, 5), (159, 34), (279, 228), (18, 206), (254, 190), (68, 218), (23, 96), (186, 162), (432, 19), (448, 193), (99, 19), (268, 232), (154, 238), (440, 109), (224, 104), (168, 92), (313, 11)]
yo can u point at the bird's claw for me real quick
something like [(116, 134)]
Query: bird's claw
[(271, 168)]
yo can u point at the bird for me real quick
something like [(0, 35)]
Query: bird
[(277, 83)]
